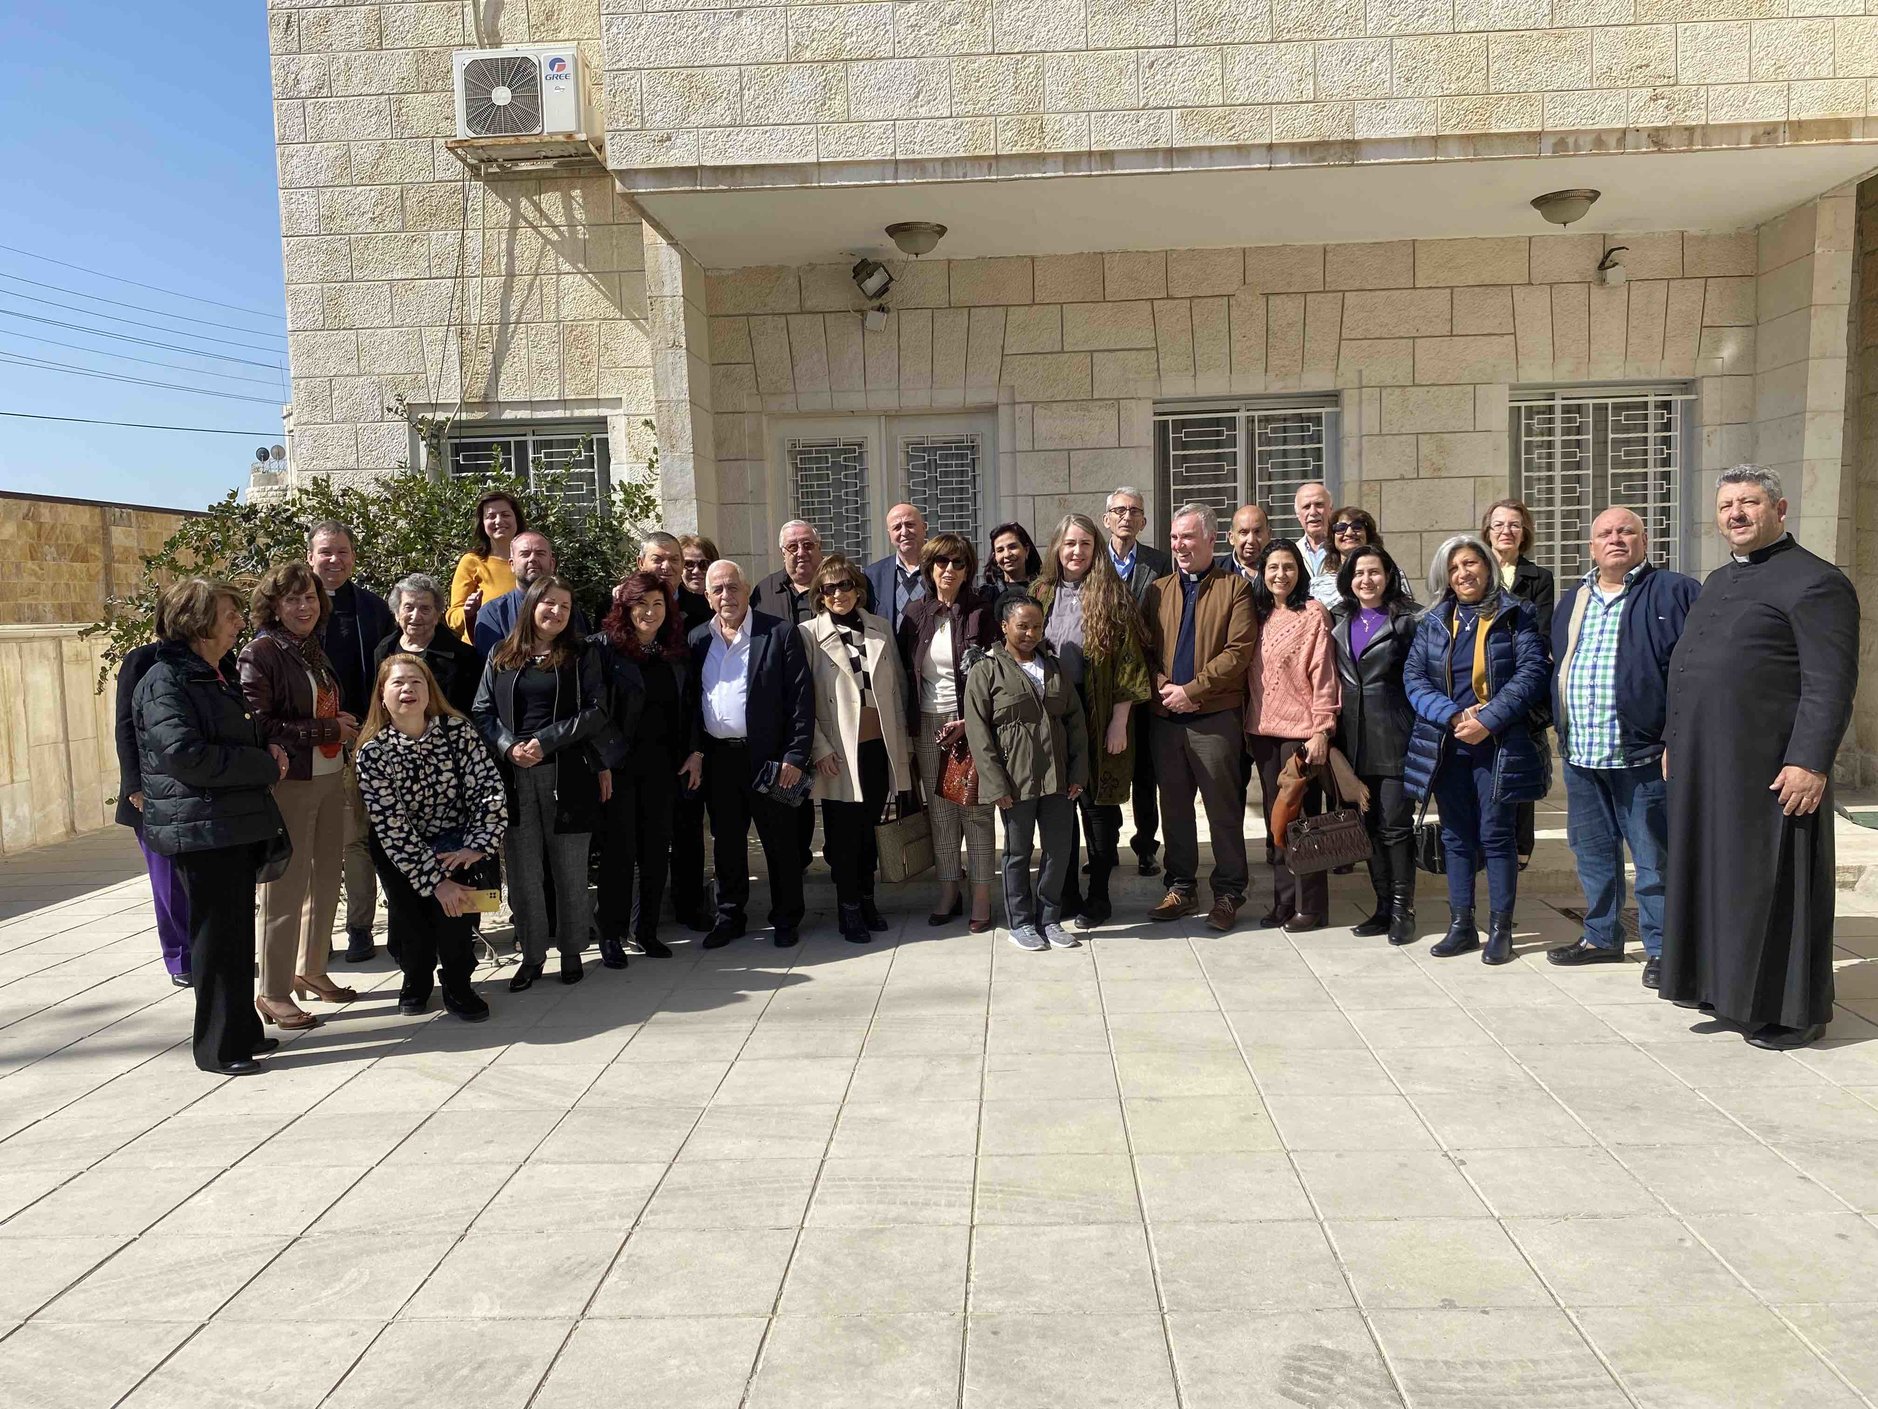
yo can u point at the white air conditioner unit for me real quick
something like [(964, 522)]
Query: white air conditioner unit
[(532, 90)]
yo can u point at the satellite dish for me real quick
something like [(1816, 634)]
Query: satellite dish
[(261, 454), (279, 452)]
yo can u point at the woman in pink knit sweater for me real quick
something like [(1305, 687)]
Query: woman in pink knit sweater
[(1292, 697)]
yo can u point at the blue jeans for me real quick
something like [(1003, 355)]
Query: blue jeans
[(1609, 807), (1474, 825)]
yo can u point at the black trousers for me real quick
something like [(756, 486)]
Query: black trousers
[(426, 939), (733, 804), (805, 823), (220, 886), (848, 843), (1390, 823), (637, 842), (1101, 826), (1146, 799), (1292, 894), (687, 869)]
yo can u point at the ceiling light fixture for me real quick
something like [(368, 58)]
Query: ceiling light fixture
[(916, 237), (1563, 207)]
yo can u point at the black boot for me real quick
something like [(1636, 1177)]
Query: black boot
[(854, 924), (1096, 906), (612, 953), (870, 914), (1499, 938), (1461, 935), (1378, 921), (1402, 915)]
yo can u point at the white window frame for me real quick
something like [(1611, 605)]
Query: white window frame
[(529, 435), (1251, 479), (886, 475), (1553, 429)]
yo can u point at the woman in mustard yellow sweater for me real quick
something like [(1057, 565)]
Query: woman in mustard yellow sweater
[(483, 573)]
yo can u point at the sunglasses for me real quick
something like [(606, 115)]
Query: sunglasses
[(834, 589), (1341, 529), (940, 564)]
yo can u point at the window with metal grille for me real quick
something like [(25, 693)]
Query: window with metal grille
[(942, 481), (578, 454), (1251, 452), (1579, 450), (828, 480)]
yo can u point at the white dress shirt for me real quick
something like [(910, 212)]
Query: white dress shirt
[(727, 682)]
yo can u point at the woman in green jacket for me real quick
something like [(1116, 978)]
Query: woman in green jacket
[(1093, 628), (1025, 723)]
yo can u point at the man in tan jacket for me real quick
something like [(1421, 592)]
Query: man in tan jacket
[(1201, 633)]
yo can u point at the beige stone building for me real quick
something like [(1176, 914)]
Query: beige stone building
[(1206, 247)]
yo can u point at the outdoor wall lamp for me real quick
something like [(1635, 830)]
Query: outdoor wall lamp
[(871, 279), (1563, 207)]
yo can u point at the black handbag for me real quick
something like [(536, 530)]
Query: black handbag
[(1429, 856), (1329, 839)]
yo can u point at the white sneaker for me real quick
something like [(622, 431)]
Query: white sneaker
[(1026, 937), (1060, 938)]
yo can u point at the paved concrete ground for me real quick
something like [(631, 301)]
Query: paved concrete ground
[(1169, 1168)]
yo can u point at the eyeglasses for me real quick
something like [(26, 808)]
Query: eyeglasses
[(1344, 529), (1128, 511), (835, 589), (942, 564)]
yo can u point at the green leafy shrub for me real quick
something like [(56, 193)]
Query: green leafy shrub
[(406, 522)]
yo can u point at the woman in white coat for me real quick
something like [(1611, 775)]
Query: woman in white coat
[(861, 756)]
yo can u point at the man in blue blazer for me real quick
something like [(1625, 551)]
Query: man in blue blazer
[(1612, 635), (756, 707), (894, 580), (532, 556)]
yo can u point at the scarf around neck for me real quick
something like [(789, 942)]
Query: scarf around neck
[(305, 649)]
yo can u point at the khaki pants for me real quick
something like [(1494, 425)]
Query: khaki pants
[(297, 910), (361, 878)]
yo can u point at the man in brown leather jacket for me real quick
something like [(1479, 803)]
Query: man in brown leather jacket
[(1201, 634)]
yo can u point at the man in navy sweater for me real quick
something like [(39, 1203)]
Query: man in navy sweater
[(1612, 635)]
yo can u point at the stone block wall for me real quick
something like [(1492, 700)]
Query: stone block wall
[(58, 756), (1803, 290), (68, 555), (1421, 342), (408, 278), (807, 82)]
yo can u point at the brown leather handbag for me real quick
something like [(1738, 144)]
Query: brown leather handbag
[(958, 780), (1330, 839)]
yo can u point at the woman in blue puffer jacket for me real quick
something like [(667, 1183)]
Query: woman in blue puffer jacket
[(1474, 673)]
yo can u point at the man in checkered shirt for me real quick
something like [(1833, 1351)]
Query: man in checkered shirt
[(1612, 635)]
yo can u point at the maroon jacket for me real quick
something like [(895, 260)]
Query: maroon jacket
[(973, 624)]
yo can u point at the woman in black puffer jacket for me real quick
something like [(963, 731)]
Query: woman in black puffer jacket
[(1473, 675), (207, 775)]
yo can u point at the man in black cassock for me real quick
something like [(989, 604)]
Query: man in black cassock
[(1760, 693)]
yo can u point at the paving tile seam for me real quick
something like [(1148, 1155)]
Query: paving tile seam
[(1343, 1271), (1612, 1152), (1479, 1193)]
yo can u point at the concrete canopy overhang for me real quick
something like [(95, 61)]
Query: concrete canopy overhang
[(1442, 189)]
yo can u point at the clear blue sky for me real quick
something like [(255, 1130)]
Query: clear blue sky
[(138, 140)]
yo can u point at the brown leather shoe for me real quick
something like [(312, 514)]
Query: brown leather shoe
[(1225, 913), (1174, 905)]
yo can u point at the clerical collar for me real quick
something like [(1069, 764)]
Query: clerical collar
[(1188, 579), (1761, 555)]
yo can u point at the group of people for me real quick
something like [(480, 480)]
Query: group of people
[(356, 743)]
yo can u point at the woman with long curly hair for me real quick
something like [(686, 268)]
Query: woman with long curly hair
[(649, 670), (1094, 630)]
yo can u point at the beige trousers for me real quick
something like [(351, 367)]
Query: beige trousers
[(297, 910)]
